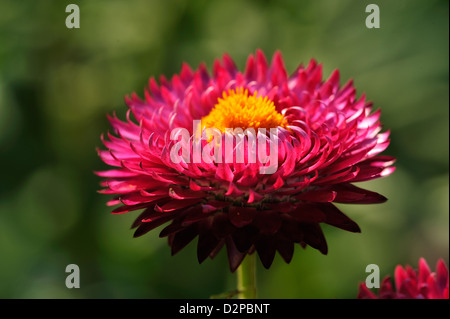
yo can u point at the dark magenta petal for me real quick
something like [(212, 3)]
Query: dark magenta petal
[(147, 213), (350, 194), (314, 237), (241, 216), (424, 271), (433, 289), (408, 288), (317, 196), (266, 249), (207, 242), (221, 225), (400, 276), (245, 237), (267, 222), (193, 217), (336, 218), (291, 229), (416, 284), (126, 209), (145, 227), (137, 199), (308, 213), (441, 274), (235, 257), (216, 250), (174, 227), (177, 205), (365, 293), (180, 239), (285, 247), (183, 193), (386, 289)]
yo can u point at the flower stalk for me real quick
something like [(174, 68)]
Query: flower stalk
[(246, 278)]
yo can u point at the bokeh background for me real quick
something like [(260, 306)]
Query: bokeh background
[(58, 84)]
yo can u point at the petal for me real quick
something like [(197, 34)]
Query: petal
[(442, 274), (408, 289), (386, 290), (244, 238), (365, 293), (177, 205), (313, 236), (182, 238), (221, 225), (126, 209), (241, 216), (291, 229), (235, 257), (207, 242), (309, 213), (424, 271), (350, 194), (400, 276), (317, 196), (286, 248), (336, 218), (145, 227), (266, 250), (183, 193), (267, 222)]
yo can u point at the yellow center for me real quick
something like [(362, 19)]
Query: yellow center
[(239, 109)]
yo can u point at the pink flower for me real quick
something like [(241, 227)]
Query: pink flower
[(412, 284), (324, 137)]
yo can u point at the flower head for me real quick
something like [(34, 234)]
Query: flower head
[(196, 153), (412, 284)]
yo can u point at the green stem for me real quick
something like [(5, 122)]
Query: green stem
[(246, 278)]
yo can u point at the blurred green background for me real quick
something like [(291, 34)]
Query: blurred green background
[(58, 84)]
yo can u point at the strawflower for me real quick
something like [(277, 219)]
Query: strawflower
[(412, 284), (324, 138)]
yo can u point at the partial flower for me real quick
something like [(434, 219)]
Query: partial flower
[(412, 284), (325, 140)]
